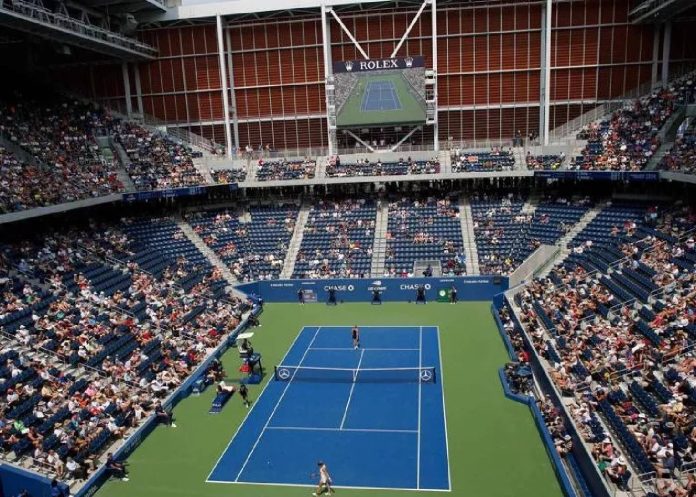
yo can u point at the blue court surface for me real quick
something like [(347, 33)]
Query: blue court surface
[(375, 416), (380, 95)]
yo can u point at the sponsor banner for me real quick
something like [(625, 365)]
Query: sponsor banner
[(600, 175), (168, 193), (378, 64), (443, 294), (391, 289), (310, 295)]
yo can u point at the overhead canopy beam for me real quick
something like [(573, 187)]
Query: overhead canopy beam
[(349, 34), (359, 140), (654, 11), (409, 28), (408, 135)]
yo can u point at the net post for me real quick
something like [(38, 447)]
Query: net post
[(275, 373)]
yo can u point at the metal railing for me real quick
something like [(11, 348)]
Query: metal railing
[(486, 144), (596, 113), (678, 354), (59, 20), (184, 135), (197, 141)]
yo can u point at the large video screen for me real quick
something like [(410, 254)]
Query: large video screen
[(376, 92)]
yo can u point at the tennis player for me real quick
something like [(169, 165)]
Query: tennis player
[(324, 480), (244, 394), (356, 336)]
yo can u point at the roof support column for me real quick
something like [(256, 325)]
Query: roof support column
[(127, 89), (138, 89), (233, 97), (656, 54), (223, 80), (545, 86), (436, 130), (666, 46), (329, 88)]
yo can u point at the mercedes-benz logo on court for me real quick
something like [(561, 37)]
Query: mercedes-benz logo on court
[(283, 373), (426, 375)]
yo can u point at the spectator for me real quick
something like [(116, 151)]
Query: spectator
[(116, 468), (163, 416)]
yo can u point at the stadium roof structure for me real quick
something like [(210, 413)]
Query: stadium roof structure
[(656, 11), (101, 26), (203, 9)]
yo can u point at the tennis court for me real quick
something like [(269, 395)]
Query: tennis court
[(374, 415), (380, 95)]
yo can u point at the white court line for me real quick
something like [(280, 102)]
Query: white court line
[(420, 383), (359, 430), (367, 348), (255, 404), (280, 399), (444, 411), (352, 387), (404, 327), (275, 484), (366, 98)]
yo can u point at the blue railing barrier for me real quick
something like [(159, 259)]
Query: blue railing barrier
[(586, 464), (132, 442), (504, 336), (469, 288), (559, 467), (13, 480)]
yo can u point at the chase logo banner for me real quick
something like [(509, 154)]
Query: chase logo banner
[(378, 64), (391, 289)]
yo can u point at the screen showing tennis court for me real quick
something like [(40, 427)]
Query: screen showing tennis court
[(376, 92), (374, 414)]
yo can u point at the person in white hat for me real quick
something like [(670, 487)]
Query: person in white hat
[(618, 471)]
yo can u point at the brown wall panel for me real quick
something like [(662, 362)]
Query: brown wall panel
[(486, 57)]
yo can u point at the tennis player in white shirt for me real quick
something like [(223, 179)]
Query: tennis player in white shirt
[(324, 480)]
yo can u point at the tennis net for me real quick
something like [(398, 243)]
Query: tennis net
[(349, 375)]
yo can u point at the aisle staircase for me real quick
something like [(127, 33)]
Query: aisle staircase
[(322, 162), (295, 242), (469, 239), (122, 160), (586, 219), (445, 161), (209, 254), (201, 166), (379, 246), (520, 159)]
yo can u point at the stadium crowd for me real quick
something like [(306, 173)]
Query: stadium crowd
[(615, 324), (365, 167), (424, 229), (156, 160), (682, 156), (337, 240), (496, 159), (538, 162), (628, 140), (253, 243), (59, 140), (274, 170), (236, 175), (83, 359)]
